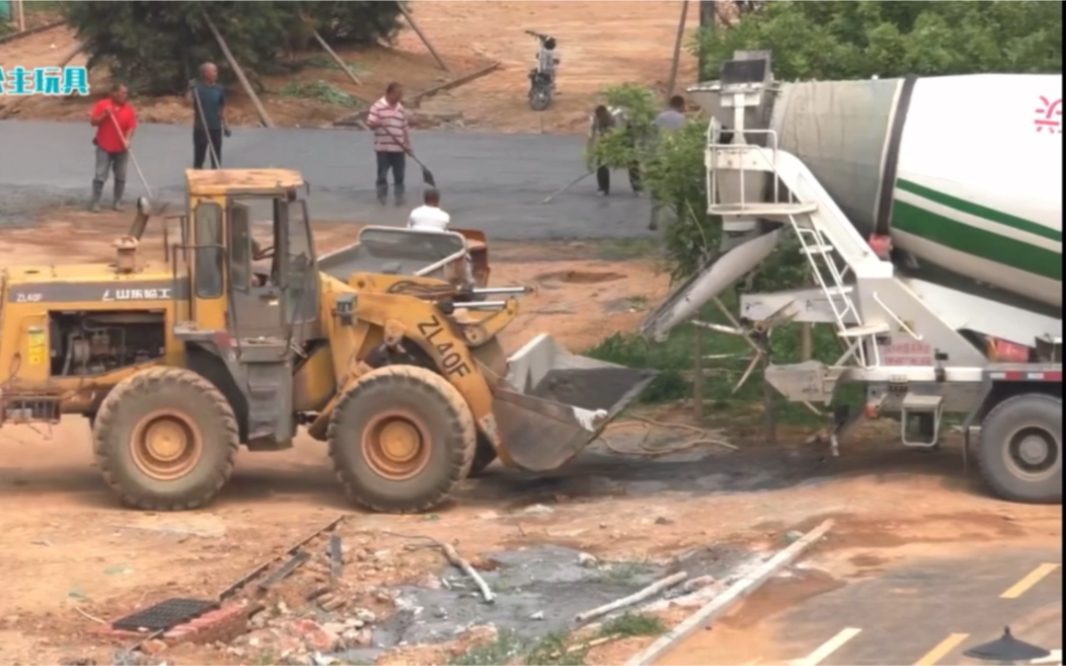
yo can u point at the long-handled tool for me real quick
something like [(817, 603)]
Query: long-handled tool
[(566, 187), (203, 122), (427, 175), (133, 157)]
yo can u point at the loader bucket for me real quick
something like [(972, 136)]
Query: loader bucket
[(553, 404)]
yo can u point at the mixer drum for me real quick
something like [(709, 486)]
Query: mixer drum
[(964, 172)]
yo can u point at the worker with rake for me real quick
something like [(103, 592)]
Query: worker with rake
[(612, 121), (208, 99), (115, 123)]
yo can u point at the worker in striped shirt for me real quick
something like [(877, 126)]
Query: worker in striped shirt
[(392, 141)]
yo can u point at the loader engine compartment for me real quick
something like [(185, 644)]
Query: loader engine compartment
[(91, 343)]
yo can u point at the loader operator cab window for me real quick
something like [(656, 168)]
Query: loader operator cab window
[(298, 268), (240, 248), (209, 257)]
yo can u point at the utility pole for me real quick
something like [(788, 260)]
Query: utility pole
[(677, 50)]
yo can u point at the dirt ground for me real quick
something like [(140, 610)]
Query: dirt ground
[(601, 44), (72, 557)]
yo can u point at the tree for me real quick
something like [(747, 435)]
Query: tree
[(155, 47), (833, 41), (847, 40)]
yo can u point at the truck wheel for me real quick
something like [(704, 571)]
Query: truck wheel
[(1020, 449), (483, 456), (401, 439), (165, 440)]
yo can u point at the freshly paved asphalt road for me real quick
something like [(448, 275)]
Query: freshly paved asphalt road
[(491, 182), (926, 612)]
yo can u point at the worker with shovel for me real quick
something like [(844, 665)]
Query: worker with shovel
[(392, 141), (115, 122)]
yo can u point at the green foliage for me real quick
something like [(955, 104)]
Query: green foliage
[(633, 624), (633, 352), (849, 40), (353, 22), (510, 648), (633, 142), (156, 47), (676, 177), (317, 90)]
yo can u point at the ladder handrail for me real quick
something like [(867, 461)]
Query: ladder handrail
[(826, 227)]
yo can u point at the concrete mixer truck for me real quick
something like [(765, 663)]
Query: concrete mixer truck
[(930, 212)]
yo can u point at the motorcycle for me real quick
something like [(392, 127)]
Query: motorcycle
[(542, 77)]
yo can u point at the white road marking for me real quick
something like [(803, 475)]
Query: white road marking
[(829, 647), (1054, 658)]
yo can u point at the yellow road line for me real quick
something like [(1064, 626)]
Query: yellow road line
[(1034, 577), (829, 647), (942, 649)]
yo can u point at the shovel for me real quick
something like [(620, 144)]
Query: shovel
[(133, 157), (427, 175)]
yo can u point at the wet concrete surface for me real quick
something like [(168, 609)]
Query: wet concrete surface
[(591, 389), (495, 183), (538, 592), (698, 472)]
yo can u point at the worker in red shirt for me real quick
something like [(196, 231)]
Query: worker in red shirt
[(115, 123)]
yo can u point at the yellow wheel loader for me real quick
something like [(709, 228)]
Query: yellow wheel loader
[(387, 350)]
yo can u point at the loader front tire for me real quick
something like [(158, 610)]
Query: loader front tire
[(165, 440), (401, 439)]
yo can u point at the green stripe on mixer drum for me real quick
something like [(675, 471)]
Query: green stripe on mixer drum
[(992, 215), (977, 242)]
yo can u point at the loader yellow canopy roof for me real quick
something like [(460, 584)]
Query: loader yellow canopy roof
[(210, 182)]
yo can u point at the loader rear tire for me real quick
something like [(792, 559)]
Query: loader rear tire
[(165, 440), (1019, 451), (401, 439), (484, 456)]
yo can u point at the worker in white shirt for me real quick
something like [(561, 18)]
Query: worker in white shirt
[(429, 216)]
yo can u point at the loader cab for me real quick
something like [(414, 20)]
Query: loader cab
[(248, 293), (250, 254)]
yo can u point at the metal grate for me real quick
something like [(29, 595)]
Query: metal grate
[(165, 614)]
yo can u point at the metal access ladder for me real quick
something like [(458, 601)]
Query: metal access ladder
[(824, 232)]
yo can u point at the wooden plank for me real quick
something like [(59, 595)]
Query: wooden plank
[(422, 36), (677, 50), (454, 83), (32, 31), (726, 599), (264, 118), (337, 59)]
